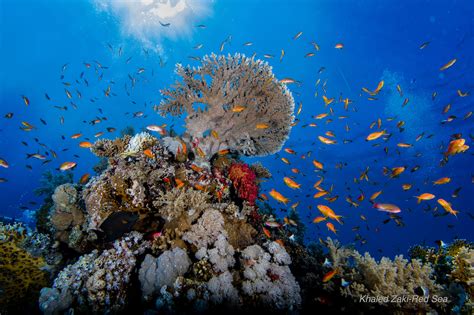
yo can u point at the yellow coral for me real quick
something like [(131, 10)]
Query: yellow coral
[(21, 276)]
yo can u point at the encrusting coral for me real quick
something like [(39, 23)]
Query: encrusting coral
[(245, 108)]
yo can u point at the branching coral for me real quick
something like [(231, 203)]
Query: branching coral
[(244, 181), (172, 203), (110, 148), (386, 278), (245, 107)]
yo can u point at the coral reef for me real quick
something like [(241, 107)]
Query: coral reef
[(246, 108), (172, 224)]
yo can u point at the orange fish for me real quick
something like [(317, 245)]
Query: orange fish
[(223, 152), (84, 178), (386, 207), (318, 183), (327, 101), (331, 227), (67, 166), (76, 135), (179, 183), (326, 140), (448, 65), (278, 197), (291, 183), (375, 135), (447, 206), (339, 46), (442, 180), (319, 219), (456, 146), (328, 212), (424, 196), (328, 276), (149, 153), (321, 116), (267, 232), (375, 195), (290, 151), (320, 194), (318, 164), (396, 171), (85, 144), (406, 186)]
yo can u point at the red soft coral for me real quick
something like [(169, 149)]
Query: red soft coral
[(244, 181)]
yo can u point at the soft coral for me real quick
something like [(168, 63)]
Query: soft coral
[(244, 181)]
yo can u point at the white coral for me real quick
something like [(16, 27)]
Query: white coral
[(162, 271), (268, 277), (206, 231), (138, 143)]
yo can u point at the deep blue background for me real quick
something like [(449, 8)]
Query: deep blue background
[(381, 40)]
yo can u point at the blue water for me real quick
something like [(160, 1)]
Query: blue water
[(381, 42)]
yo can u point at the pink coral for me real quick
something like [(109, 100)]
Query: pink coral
[(244, 181)]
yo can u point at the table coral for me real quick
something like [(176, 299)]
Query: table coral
[(222, 83)]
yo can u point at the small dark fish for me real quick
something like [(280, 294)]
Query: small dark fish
[(165, 24), (455, 193), (415, 168), (3, 180), (424, 45), (43, 121), (47, 96), (8, 115)]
